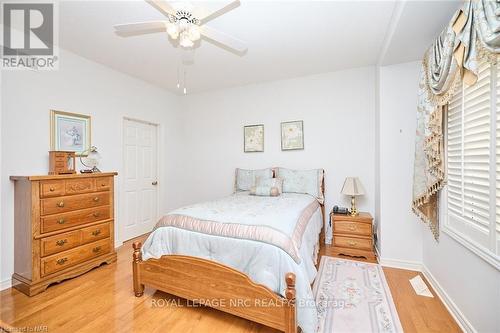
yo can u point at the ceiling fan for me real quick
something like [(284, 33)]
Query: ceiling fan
[(186, 24)]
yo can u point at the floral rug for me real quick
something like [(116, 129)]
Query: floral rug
[(354, 297)]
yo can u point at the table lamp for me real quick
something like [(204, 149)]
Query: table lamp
[(353, 187)]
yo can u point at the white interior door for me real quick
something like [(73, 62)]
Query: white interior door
[(140, 188)]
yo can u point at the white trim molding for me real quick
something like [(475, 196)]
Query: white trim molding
[(5, 284), (475, 248), (453, 309), (402, 264)]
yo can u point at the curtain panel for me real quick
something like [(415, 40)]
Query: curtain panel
[(472, 34)]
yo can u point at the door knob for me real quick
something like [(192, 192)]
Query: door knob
[(154, 183)]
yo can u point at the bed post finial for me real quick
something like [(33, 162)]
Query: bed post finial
[(136, 260), (290, 287), (290, 314)]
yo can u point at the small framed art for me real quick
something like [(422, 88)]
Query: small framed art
[(253, 136), (292, 135), (69, 132)]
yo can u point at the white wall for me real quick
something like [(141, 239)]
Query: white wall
[(338, 110), (400, 231), (471, 286), (85, 87)]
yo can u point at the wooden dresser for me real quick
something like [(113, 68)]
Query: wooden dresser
[(353, 236), (64, 227)]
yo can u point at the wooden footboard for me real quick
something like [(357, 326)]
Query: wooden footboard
[(209, 283)]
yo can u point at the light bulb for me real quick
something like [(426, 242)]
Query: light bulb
[(183, 24), (194, 32), (178, 85), (185, 41), (173, 31), (185, 91)]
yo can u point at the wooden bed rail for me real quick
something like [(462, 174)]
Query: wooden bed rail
[(218, 286)]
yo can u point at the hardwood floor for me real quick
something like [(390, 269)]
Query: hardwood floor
[(103, 301), (417, 313)]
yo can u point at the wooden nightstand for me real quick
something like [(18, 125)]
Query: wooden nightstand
[(353, 235)]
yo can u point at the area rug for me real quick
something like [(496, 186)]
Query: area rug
[(354, 297)]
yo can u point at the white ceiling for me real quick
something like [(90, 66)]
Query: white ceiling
[(285, 39)]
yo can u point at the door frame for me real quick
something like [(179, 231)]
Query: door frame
[(159, 176)]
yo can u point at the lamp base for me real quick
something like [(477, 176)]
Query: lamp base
[(354, 210)]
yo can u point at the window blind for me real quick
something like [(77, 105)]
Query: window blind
[(468, 159)]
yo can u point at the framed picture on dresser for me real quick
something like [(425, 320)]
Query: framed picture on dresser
[(70, 132)]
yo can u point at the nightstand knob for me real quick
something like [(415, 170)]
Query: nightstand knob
[(352, 227), (352, 243)]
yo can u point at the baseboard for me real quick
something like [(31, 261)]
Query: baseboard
[(6, 284), (453, 309), (402, 264)]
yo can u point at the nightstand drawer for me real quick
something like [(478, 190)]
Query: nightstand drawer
[(353, 243), (352, 228)]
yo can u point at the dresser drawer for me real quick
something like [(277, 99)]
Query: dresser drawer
[(95, 232), (61, 242), (74, 256), (77, 186), (71, 219), (353, 243), (352, 228), (103, 183), (51, 188), (74, 202)]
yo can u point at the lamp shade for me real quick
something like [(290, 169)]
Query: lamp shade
[(352, 187)]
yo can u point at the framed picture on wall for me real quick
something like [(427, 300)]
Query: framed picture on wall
[(292, 135), (253, 138), (70, 132)]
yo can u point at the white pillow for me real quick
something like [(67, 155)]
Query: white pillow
[(302, 181), (267, 187), (246, 179)]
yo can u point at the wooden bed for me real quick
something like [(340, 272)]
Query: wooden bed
[(221, 287)]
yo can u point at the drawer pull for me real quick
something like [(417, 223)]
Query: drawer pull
[(61, 261), (61, 221), (52, 189), (96, 199), (96, 249), (103, 184), (61, 242), (96, 214), (352, 243), (96, 232), (60, 204), (352, 227)]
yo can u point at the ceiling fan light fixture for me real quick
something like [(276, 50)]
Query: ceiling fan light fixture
[(185, 41), (194, 32), (173, 31)]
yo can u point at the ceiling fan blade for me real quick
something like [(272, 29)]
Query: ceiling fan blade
[(223, 40), (218, 12), (140, 28), (164, 7)]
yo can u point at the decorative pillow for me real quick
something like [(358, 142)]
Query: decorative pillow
[(302, 181), (246, 179), (267, 187)]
